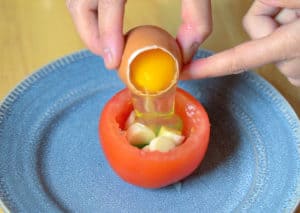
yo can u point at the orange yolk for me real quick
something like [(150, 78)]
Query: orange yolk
[(152, 71)]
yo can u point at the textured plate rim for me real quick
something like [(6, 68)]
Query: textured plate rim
[(265, 87)]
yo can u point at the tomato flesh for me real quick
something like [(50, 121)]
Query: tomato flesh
[(154, 169)]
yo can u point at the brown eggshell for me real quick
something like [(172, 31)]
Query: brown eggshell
[(144, 38)]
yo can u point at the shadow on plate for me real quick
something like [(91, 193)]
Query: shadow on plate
[(225, 133)]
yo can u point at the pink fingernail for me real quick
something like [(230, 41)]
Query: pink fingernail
[(191, 51), (108, 57), (194, 47)]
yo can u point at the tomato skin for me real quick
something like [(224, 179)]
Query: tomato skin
[(154, 169)]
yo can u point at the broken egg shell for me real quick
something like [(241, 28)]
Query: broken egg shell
[(145, 38)]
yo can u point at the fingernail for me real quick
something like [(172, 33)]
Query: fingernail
[(108, 57), (238, 71), (194, 47), (191, 51)]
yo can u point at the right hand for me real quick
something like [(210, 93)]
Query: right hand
[(274, 26)]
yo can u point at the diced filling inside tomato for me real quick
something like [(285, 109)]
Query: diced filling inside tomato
[(144, 137)]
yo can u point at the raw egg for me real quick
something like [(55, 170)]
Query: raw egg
[(150, 67), (151, 61), (152, 71)]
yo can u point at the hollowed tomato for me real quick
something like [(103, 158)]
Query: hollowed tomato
[(154, 169)]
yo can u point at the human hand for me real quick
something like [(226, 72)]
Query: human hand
[(100, 26), (195, 27), (274, 26)]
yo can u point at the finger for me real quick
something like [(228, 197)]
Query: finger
[(258, 21), (195, 26), (110, 18), (290, 68), (84, 16), (279, 46), (283, 3), (286, 16), (294, 81)]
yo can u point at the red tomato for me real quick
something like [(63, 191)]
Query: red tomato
[(154, 169)]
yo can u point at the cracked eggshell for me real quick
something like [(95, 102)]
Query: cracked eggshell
[(145, 38)]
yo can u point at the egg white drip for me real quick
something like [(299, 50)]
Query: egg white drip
[(134, 55)]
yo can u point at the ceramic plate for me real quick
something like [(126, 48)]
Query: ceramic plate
[(51, 159)]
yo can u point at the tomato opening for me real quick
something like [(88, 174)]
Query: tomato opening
[(154, 169)]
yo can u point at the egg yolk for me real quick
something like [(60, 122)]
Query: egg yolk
[(152, 71)]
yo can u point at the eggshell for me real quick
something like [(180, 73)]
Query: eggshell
[(145, 38)]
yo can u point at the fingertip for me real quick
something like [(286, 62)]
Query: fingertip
[(188, 48), (194, 70), (84, 16), (294, 81), (110, 22), (204, 68), (190, 37), (111, 62), (112, 50), (195, 27), (188, 45), (108, 58), (185, 73)]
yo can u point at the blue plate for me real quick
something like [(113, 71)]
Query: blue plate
[(51, 160)]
